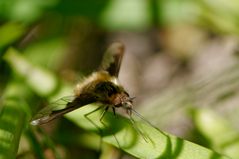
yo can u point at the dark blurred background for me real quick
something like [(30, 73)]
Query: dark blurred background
[(181, 56)]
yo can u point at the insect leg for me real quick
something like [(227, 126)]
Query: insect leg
[(103, 114), (101, 120), (86, 116), (140, 116), (137, 129), (146, 122), (113, 108), (98, 128)]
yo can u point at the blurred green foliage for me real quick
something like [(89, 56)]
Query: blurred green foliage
[(215, 129), (128, 139), (68, 37), (217, 15)]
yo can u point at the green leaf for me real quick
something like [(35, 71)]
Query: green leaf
[(217, 128), (14, 114), (121, 133), (40, 80)]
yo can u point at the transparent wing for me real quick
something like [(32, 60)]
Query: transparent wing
[(61, 107), (112, 58), (53, 110)]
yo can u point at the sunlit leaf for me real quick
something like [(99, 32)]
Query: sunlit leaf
[(222, 136)]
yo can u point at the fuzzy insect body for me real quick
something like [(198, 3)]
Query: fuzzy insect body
[(101, 87)]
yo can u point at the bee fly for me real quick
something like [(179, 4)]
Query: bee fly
[(100, 87)]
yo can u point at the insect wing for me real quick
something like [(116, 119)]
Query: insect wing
[(53, 110), (112, 58)]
